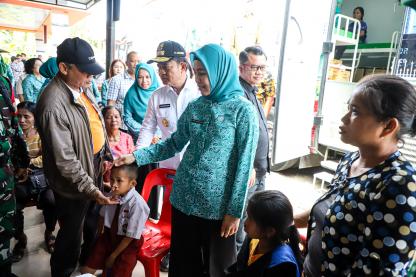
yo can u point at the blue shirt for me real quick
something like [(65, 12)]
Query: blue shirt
[(363, 38), (32, 86), (211, 181)]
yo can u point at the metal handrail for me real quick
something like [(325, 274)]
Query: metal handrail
[(394, 43)]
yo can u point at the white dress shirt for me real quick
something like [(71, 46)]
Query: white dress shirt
[(163, 110), (133, 215)]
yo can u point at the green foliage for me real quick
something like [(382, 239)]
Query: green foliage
[(17, 42), (82, 30)]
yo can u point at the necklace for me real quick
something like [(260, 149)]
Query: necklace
[(27, 134), (116, 138)]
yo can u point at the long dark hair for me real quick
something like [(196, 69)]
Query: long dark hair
[(361, 9), (272, 209), (110, 70)]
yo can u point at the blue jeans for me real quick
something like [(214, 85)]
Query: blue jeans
[(258, 186)]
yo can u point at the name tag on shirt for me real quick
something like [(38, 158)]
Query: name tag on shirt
[(197, 121), (164, 106)]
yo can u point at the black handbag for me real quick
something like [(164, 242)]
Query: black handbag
[(38, 181)]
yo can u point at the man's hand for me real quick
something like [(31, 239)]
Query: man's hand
[(103, 200), (109, 262), (21, 175), (229, 226), (252, 179), (125, 159)]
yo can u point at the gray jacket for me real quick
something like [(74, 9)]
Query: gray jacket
[(67, 149)]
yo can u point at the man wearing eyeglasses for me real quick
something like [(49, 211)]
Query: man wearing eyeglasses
[(252, 68)]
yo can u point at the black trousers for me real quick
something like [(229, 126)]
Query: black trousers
[(71, 214), (6, 270), (46, 202), (197, 248), (90, 231), (76, 218)]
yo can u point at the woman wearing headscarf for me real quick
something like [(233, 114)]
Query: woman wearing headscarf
[(7, 78), (48, 70), (210, 185), (33, 82), (5, 70), (137, 98)]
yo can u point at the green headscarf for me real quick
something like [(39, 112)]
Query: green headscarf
[(49, 68), (222, 72), (3, 67), (138, 97)]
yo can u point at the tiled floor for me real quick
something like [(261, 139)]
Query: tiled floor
[(296, 184)]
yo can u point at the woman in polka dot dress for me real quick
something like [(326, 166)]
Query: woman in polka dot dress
[(365, 224)]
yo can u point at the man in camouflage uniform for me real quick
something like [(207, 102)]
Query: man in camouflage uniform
[(14, 161)]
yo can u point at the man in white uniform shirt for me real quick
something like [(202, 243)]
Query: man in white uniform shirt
[(168, 103)]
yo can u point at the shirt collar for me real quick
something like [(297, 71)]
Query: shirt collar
[(75, 93), (127, 76), (187, 86), (247, 86), (190, 84), (124, 199)]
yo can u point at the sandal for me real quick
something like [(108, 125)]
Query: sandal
[(50, 242)]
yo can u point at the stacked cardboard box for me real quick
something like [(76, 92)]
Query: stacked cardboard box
[(338, 72)]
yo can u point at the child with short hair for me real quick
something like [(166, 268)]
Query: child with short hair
[(117, 247), (271, 247)]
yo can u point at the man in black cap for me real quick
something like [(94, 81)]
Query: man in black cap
[(74, 144)]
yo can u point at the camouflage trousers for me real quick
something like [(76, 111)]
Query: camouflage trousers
[(7, 211)]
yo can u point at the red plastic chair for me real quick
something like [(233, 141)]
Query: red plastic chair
[(303, 238), (157, 235)]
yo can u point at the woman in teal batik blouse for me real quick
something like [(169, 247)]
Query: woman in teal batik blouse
[(210, 186), (33, 82)]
